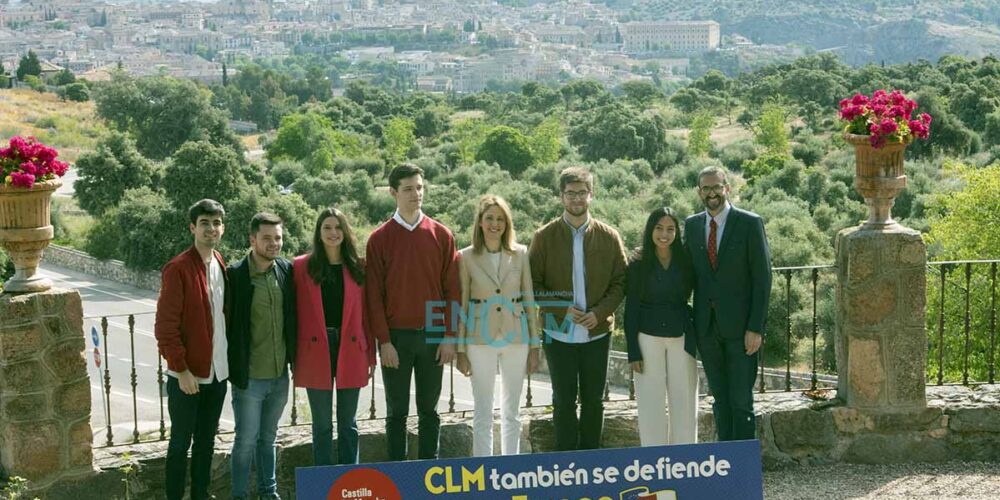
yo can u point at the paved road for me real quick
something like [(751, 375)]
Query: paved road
[(68, 180), (102, 298)]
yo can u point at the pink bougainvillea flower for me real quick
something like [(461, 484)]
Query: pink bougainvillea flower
[(59, 168), (885, 117), (29, 168), (17, 144), (45, 153), (25, 161), (888, 126), (919, 129), (20, 179)]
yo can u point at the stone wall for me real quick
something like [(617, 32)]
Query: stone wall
[(113, 270), (45, 433), (961, 423)]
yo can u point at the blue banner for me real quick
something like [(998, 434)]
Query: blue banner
[(684, 472)]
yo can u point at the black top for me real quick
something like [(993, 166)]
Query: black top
[(333, 295), (656, 303)]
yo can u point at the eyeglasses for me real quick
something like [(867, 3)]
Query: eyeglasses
[(718, 188), (576, 194)]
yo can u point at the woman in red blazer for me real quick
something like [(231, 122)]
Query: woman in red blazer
[(332, 342)]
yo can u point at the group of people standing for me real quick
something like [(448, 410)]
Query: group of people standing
[(492, 307)]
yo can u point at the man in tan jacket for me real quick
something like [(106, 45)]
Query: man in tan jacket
[(578, 272)]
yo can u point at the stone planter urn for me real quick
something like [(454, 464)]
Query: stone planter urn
[(879, 179), (25, 232)]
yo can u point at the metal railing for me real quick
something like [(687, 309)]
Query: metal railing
[(105, 377), (813, 281), (975, 331), (966, 323)]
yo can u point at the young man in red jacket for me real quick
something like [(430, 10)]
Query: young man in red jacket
[(191, 335), (412, 274)]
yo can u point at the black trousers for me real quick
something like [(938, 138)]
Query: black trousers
[(573, 368), (731, 375), (417, 356), (192, 418)]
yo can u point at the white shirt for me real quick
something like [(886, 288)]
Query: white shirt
[(578, 333), (720, 220), (402, 222), (216, 297), (495, 260)]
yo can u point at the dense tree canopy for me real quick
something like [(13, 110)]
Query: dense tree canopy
[(114, 167), (616, 131), (163, 113), (645, 143), (506, 147), (29, 65)]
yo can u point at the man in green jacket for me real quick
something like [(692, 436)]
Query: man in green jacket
[(578, 271)]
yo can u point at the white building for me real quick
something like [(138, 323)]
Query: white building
[(675, 36), (416, 62), (369, 54), (551, 33), (435, 84)]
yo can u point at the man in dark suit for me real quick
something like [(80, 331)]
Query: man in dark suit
[(732, 267)]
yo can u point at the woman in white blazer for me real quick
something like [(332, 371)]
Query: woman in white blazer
[(499, 324)]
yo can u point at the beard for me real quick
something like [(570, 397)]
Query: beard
[(714, 203), (576, 211), (266, 255)]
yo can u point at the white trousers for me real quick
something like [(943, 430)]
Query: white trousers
[(667, 371), (512, 360)]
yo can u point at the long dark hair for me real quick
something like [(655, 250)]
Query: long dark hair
[(316, 265), (678, 254)]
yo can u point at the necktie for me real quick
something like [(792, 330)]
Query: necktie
[(712, 250)]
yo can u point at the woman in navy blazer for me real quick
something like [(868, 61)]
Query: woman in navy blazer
[(659, 334)]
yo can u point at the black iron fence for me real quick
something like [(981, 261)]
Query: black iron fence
[(797, 355), (800, 332), (962, 322)]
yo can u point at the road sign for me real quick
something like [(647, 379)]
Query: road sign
[(97, 357), (94, 337)]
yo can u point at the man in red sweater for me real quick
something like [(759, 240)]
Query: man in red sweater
[(412, 279), (191, 335)]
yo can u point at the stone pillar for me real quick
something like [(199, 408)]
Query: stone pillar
[(45, 433), (881, 343)]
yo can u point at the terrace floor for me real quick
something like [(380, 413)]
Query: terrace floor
[(973, 480)]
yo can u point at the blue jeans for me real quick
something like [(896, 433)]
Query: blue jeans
[(257, 410), (321, 404)]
